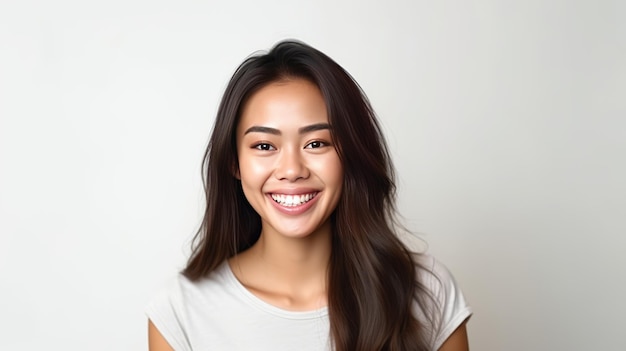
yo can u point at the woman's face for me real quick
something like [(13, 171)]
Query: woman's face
[(288, 166)]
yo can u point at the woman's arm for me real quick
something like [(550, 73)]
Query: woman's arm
[(156, 341), (457, 341)]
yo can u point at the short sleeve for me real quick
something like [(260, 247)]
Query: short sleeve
[(168, 315), (452, 309)]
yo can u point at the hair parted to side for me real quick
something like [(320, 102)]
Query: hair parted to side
[(372, 283)]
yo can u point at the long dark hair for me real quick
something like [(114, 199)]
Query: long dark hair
[(372, 277)]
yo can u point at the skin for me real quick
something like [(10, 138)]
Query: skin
[(284, 146), (287, 265), (156, 341), (458, 341)]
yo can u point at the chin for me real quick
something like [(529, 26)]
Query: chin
[(298, 231)]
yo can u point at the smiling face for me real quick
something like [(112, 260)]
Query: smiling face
[(289, 169)]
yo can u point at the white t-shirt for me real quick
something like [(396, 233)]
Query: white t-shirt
[(219, 313)]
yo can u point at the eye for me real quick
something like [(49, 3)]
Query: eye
[(264, 147), (315, 144)]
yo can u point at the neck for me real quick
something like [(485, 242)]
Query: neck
[(294, 260), (288, 272)]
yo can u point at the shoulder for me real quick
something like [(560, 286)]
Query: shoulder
[(446, 306), (435, 276), (180, 290), (171, 310)]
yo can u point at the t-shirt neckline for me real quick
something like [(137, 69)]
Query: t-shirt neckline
[(264, 305)]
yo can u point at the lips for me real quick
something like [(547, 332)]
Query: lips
[(293, 200)]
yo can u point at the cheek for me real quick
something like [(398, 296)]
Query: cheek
[(252, 170), (332, 172), (335, 182)]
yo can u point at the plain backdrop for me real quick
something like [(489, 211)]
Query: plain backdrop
[(506, 120)]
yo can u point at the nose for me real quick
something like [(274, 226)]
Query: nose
[(291, 166)]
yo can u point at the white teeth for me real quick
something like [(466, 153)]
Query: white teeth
[(292, 200)]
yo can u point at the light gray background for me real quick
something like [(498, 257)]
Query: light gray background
[(506, 120)]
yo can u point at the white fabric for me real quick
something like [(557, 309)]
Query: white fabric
[(218, 313)]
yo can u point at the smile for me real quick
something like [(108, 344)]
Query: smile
[(292, 200)]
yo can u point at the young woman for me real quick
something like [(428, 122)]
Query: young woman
[(297, 249)]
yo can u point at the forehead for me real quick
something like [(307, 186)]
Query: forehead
[(284, 105)]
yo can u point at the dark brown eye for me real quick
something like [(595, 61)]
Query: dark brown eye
[(264, 147), (315, 144)]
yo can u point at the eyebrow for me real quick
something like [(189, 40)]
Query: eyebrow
[(274, 131)]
